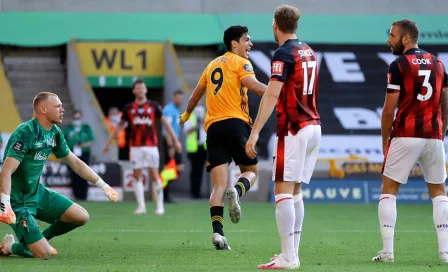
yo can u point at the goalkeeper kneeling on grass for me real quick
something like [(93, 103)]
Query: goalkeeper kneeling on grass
[(23, 200)]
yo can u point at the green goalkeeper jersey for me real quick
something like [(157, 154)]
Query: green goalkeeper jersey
[(31, 144)]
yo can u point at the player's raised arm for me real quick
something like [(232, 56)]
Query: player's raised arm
[(195, 97), (255, 86), (84, 171), (10, 165), (192, 103), (62, 151)]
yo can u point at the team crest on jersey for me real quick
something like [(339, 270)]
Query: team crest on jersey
[(389, 76), (132, 111), (51, 143), (149, 110), (18, 146), (277, 68), (248, 68), (24, 223)]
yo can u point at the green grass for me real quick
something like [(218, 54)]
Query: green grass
[(334, 238)]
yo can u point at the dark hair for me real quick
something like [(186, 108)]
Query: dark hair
[(178, 92), (138, 81), (233, 33), (408, 27), (75, 112), (287, 18), (113, 108), (40, 97)]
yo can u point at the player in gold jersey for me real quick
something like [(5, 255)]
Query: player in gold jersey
[(225, 81)]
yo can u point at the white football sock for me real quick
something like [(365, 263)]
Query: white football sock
[(299, 212), (440, 214), (285, 216), (139, 192), (387, 213), (157, 190)]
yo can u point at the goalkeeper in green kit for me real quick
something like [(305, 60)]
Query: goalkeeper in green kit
[(23, 200)]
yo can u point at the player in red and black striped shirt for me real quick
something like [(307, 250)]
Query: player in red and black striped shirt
[(142, 119), (417, 83), (293, 87), (417, 78), (141, 115)]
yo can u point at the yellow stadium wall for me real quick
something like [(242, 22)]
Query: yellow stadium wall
[(9, 115)]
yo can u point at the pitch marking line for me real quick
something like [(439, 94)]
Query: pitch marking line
[(240, 231)]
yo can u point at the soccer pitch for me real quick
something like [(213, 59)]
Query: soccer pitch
[(335, 237)]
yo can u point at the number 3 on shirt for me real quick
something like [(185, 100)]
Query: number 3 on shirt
[(217, 78), (308, 86), (427, 75)]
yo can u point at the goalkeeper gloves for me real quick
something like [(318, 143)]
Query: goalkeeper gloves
[(7, 215), (108, 191)]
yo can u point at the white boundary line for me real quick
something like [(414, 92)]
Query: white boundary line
[(240, 231), (376, 231)]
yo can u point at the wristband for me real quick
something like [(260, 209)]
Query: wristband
[(101, 184), (4, 197)]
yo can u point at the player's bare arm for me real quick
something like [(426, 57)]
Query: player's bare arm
[(170, 144), (444, 110), (10, 165), (84, 171), (170, 132), (114, 135), (254, 85), (267, 106), (192, 103), (387, 117)]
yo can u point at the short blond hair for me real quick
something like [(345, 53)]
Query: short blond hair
[(287, 18), (41, 97)]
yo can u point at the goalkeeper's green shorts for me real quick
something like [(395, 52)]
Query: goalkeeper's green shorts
[(49, 208)]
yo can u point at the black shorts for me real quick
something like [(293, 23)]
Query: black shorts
[(226, 141), (177, 155)]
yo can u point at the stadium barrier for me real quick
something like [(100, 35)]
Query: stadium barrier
[(56, 176), (361, 191)]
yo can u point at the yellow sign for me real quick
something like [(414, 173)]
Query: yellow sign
[(372, 169), (121, 59)]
